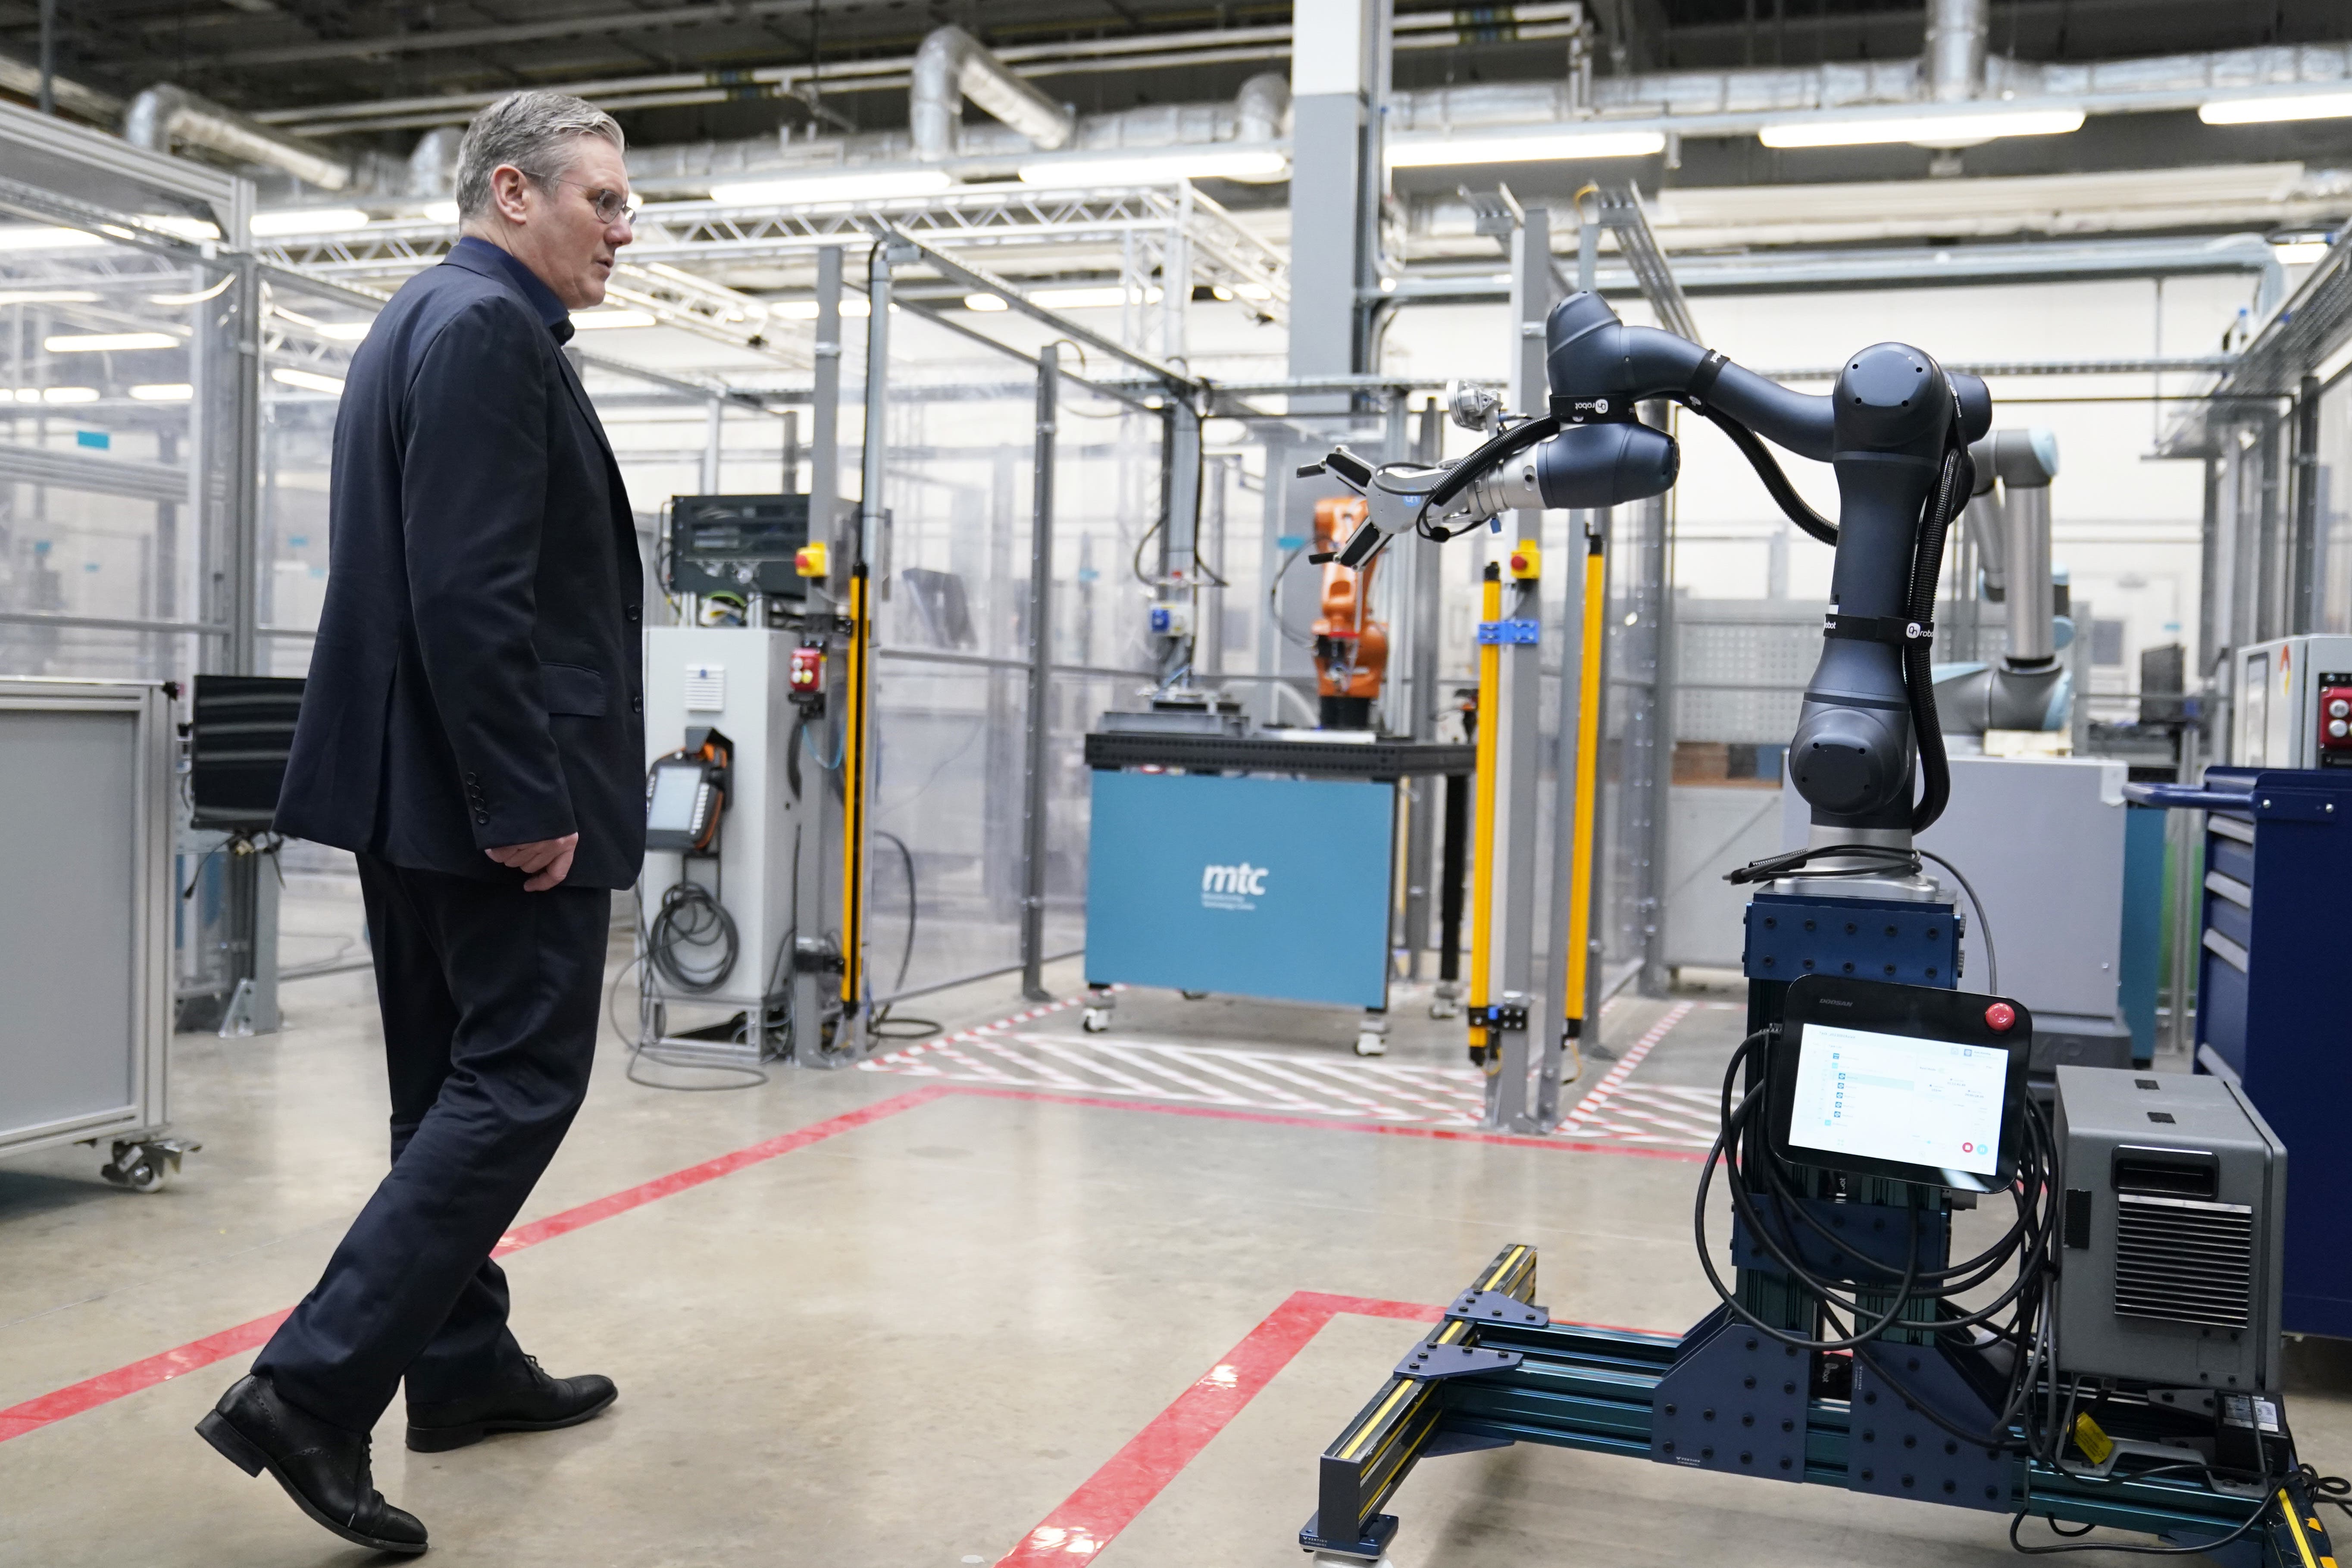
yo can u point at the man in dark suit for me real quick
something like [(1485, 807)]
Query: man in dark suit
[(473, 731)]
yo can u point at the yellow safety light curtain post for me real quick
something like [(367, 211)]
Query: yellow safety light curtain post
[(1482, 837), (852, 814), (1588, 778)]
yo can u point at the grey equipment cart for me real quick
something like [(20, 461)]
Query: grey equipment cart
[(86, 896)]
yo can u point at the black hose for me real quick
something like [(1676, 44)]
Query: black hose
[(1776, 483), (1952, 486), (1493, 452)]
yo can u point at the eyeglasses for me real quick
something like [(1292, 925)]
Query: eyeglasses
[(611, 206)]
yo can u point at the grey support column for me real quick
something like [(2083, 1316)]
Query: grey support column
[(1527, 1038), (1657, 850), (1423, 791), (1034, 845), (714, 436), (1337, 52), (816, 814)]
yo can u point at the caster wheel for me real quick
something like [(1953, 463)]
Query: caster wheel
[(1095, 1021), (1192, 995), (137, 1167), (1446, 1007), (1370, 1044)]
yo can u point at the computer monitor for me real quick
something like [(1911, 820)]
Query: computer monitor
[(1908, 1082)]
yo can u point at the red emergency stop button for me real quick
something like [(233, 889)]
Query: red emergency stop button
[(2001, 1016)]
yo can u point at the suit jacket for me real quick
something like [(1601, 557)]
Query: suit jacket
[(477, 680)]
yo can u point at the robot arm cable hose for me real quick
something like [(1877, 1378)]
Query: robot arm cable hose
[(1951, 493), (1775, 482)]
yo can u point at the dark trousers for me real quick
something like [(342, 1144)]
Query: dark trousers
[(491, 999)]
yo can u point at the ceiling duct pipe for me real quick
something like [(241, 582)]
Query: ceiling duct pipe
[(1955, 61), (23, 77), (1262, 110), (165, 114), (951, 66), (433, 162)]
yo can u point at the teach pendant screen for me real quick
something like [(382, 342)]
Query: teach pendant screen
[(1890, 1096)]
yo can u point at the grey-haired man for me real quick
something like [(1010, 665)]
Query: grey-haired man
[(473, 731)]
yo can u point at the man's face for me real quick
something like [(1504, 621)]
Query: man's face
[(558, 236)]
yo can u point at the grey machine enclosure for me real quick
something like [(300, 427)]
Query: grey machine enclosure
[(2173, 1207)]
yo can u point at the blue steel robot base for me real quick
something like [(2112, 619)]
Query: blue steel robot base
[(1726, 1397)]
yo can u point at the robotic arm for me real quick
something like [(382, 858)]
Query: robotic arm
[(1895, 428)]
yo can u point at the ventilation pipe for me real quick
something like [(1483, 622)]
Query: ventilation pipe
[(165, 114), (1261, 109), (1955, 61), (951, 66), (433, 162), (23, 77)]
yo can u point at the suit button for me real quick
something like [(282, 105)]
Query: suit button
[(473, 778), (632, 613), (482, 816), (636, 704)]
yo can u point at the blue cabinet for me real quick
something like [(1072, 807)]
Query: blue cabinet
[(2271, 1005)]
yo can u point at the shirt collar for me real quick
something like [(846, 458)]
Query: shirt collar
[(551, 310)]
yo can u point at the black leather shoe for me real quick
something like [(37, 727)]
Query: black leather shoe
[(537, 1403), (323, 1468)]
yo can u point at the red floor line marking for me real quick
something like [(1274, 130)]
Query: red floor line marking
[(75, 1398), (1624, 1068), (196, 1354), (1107, 1501), (109, 1387)]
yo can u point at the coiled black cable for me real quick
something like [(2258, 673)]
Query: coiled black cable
[(2029, 1242), (692, 922)]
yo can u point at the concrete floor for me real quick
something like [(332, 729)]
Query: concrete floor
[(907, 1343)]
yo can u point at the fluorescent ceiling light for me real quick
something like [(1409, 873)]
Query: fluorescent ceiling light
[(1124, 168), (103, 342), (835, 185), (2299, 252), (195, 298), (46, 297), (180, 226), (805, 310), (66, 394), (2260, 110), (441, 212), (601, 321), (28, 237), (1550, 146), (984, 302), (1108, 295), (307, 380), (164, 391), (1956, 129), (307, 220)]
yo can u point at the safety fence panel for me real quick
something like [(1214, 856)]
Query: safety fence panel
[(2331, 482), (116, 369)]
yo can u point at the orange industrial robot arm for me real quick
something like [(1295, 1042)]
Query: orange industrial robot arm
[(1351, 649)]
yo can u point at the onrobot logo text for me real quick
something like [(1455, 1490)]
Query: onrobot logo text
[(1232, 886)]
